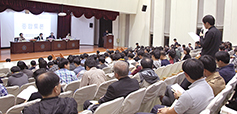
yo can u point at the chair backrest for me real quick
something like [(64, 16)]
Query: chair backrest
[(63, 85), (4, 70), (66, 94), (72, 86), (233, 81), (179, 67), (166, 71), (4, 80), (180, 77), (14, 90), (31, 80), (219, 100), (6, 102), (159, 71), (170, 80), (173, 68), (111, 107), (153, 90), (84, 93), (107, 70), (26, 85), (103, 88), (132, 102), (18, 108)]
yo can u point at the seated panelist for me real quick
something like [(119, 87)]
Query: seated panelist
[(40, 37), (20, 38), (51, 35)]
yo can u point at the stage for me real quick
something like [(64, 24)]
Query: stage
[(5, 53)]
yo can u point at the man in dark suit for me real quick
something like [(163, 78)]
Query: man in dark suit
[(212, 39), (51, 35), (121, 88)]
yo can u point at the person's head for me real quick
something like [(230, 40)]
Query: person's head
[(43, 64), (106, 31), (116, 56), (63, 63), (222, 58), (70, 58), (140, 54), (97, 52), (146, 63), (85, 55), (121, 69), (155, 54), (137, 44), (8, 60), (221, 48), (51, 33), (175, 40), (41, 34), (48, 84), (186, 51), (38, 72), (21, 34), (209, 64), (183, 46), (189, 44), (197, 43), (50, 64), (21, 65), (15, 69), (208, 21), (130, 56), (89, 63), (50, 57), (106, 54), (101, 60), (193, 69), (162, 55), (172, 54), (40, 59), (77, 62), (33, 63)]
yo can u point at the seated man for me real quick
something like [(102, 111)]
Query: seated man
[(163, 58), (102, 63), (213, 78), (121, 88), (24, 69), (49, 87), (92, 75), (146, 76), (194, 100), (17, 78), (65, 75), (77, 63), (226, 70), (156, 58), (33, 66)]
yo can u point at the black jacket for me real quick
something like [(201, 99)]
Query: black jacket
[(120, 88), (54, 105), (210, 44), (148, 75)]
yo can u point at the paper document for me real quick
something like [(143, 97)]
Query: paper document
[(194, 36), (177, 87), (26, 93)]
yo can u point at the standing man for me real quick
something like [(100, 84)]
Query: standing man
[(210, 43)]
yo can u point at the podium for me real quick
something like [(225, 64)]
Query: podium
[(109, 41)]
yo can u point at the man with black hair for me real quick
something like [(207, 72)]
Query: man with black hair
[(54, 67), (49, 87), (155, 55), (186, 52), (107, 58), (190, 46), (66, 76), (195, 99), (213, 78), (50, 58), (33, 65), (212, 39), (77, 63), (85, 55), (146, 76), (226, 70), (102, 63), (175, 42), (172, 56), (43, 64), (221, 48), (163, 58), (92, 75), (197, 45), (17, 78), (71, 64), (24, 69)]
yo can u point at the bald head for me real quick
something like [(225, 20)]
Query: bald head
[(121, 68), (46, 83)]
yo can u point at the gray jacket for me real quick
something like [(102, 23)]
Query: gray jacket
[(18, 79)]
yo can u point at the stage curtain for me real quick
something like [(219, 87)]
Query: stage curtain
[(64, 26), (38, 7)]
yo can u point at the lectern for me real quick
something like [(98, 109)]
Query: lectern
[(109, 41)]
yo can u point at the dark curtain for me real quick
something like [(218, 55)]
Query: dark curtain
[(64, 26)]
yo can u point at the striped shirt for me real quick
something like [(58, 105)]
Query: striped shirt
[(66, 76)]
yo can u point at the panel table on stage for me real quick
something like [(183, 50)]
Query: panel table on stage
[(42, 46), (58, 45), (73, 44), (21, 47)]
